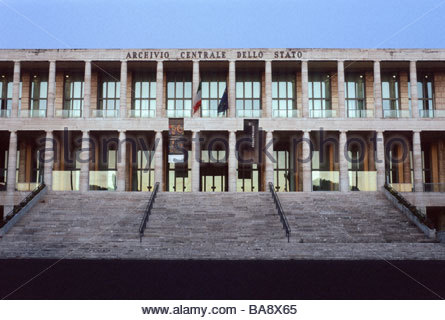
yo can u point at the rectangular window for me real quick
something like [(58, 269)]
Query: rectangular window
[(179, 95), (213, 86), (39, 95), (390, 95), (6, 85), (319, 94), (144, 96), (283, 95), (355, 95), (248, 94), (425, 95), (73, 95), (109, 95)]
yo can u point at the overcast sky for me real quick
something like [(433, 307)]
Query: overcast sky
[(222, 23)]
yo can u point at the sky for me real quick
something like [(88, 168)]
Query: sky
[(45, 24)]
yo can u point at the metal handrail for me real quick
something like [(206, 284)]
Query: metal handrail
[(148, 211), (278, 206), (22, 204), (408, 205)]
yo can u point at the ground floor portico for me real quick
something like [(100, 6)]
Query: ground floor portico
[(221, 161)]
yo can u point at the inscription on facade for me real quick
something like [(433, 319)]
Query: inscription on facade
[(214, 55)]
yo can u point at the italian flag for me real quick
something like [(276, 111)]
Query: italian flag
[(197, 99)]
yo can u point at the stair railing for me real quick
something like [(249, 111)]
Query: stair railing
[(411, 211), (14, 215), (280, 210), (147, 211)]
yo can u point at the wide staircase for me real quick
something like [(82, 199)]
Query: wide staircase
[(355, 217), (202, 225), (214, 219)]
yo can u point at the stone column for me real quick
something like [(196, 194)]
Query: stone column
[(307, 164), (417, 162), (304, 89), (160, 90), (87, 90), (51, 89), (48, 160), (158, 157), (413, 84), (344, 171), (12, 162), (232, 161), (380, 160), (123, 92), (196, 156), (16, 90), (232, 90), (377, 91), (122, 160), (268, 89), (343, 113), (195, 85), (268, 162), (84, 157)]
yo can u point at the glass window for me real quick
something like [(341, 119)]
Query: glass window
[(6, 86), (248, 94), (109, 92), (390, 94), (179, 95), (73, 99), (39, 92), (144, 95), (213, 86), (283, 95), (355, 95), (319, 94), (425, 94)]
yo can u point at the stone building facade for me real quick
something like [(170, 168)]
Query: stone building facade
[(307, 120)]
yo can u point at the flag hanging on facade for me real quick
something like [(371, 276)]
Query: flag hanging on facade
[(224, 103), (197, 99)]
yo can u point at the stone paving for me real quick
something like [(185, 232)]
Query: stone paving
[(98, 225)]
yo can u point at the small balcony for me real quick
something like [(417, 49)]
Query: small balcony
[(322, 113), (178, 113), (5, 113), (396, 113), (105, 113), (33, 113), (69, 113), (432, 113), (145, 113), (285, 113), (360, 113), (241, 113)]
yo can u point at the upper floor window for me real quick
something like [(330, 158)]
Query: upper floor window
[(283, 95), (109, 94), (248, 94), (390, 95), (144, 95), (319, 94), (355, 95), (73, 97), (39, 95), (179, 95), (213, 86), (425, 95), (6, 85)]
